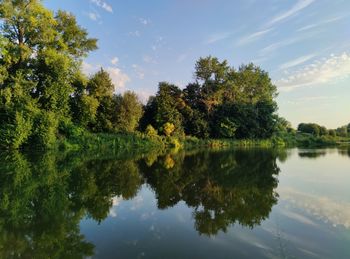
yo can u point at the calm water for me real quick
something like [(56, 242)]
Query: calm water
[(250, 203)]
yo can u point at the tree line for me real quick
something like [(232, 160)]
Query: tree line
[(317, 130), (44, 94)]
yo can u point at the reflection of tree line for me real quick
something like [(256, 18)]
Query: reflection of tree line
[(44, 197), (317, 153), (344, 150), (223, 188)]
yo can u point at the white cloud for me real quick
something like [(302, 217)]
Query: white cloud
[(327, 70), (297, 61), (119, 78), (314, 25), (115, 60), (103, 5), (300, 5), (252, 37)]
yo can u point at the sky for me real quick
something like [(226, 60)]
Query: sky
[(303, 44)]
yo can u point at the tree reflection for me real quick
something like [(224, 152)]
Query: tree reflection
[(312, 153), (44, 197), (223, 188), (344, 151)]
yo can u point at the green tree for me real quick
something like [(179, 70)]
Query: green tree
[(129, 111), (100, 85), (40, 55), (165, 107)]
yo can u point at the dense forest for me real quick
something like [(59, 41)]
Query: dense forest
[(45, 97)]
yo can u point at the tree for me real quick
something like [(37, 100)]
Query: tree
[(342, 131), (252, 85), (40, 56), (128, 112), (165, 107), (332, 133), (310, 128)]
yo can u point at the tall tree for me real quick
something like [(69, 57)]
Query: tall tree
[(128, 112)]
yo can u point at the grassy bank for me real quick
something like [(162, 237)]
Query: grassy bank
[(75, 138), (280, 140)]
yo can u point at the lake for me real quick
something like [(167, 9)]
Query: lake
[(239, 203)]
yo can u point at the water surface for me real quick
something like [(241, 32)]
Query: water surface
[(200, 204)]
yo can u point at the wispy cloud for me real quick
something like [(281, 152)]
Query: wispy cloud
[(277, 45), (314, 25), (217, 37), (327, 70), (144, 21), (295, 9), (103, 5), (253, 37), (296, 62)]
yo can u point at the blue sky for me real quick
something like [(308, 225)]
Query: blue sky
[(303, 44)]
